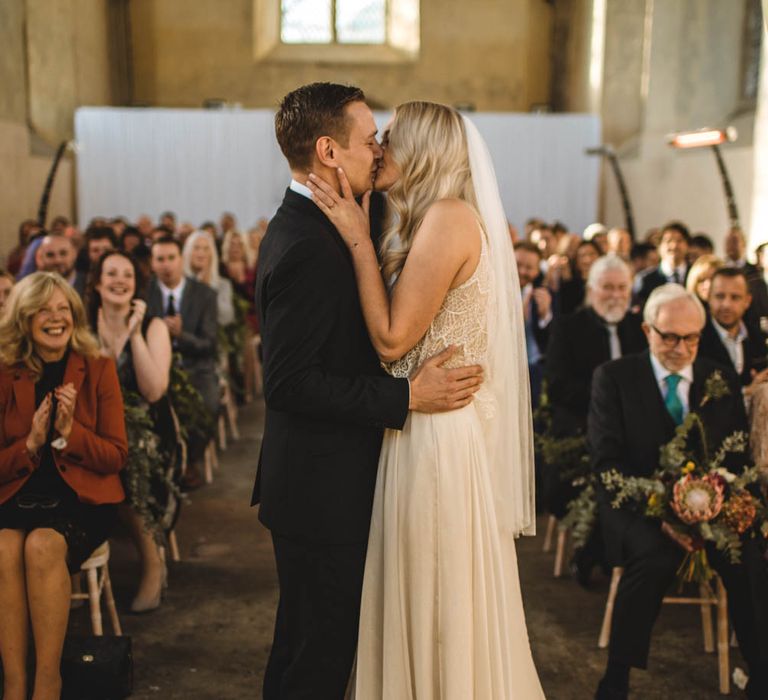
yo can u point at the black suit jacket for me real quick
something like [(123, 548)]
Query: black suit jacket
[(628, 423), (653, 280), (540, 335), (199, 321), (579, 344), (327, 397), (759, 307), (712, 346)]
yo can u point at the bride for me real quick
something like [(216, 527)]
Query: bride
[(442, 614)]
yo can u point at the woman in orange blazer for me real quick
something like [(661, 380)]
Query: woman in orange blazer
[(62, 444)]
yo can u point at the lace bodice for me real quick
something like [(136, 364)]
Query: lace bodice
[(460, 321)]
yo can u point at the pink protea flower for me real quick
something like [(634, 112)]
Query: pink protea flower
[(698, 499)]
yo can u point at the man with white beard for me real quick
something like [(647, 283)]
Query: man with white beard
[(579, 343)]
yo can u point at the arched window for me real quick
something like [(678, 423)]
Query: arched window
[(375, 31)]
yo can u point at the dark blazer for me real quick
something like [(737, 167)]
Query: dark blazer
[(628, 422), (759, 307), (540, 335), (199, 321), (712, 346), (327, 398), (579, 344), (97, 446), (654, 279)]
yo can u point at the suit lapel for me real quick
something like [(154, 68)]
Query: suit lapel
[(187, 301), (24, 392), (75, 370)]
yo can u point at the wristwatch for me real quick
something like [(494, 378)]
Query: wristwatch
[(59, 443)]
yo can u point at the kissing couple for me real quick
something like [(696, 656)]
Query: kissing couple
[(396, 467)]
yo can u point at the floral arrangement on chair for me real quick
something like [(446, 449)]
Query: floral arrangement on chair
[(695, 494)]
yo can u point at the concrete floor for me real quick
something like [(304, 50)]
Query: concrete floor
[(211, 637)]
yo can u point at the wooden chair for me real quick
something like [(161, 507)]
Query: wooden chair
[(96, 569), (211, 461), (707, 598), (562, 544)]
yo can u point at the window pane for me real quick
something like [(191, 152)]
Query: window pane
[(361, 21), (306, 22)]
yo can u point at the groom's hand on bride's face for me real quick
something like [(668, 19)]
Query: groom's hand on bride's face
[(435, 388)]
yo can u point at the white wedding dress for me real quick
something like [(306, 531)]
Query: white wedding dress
[(442, 614)]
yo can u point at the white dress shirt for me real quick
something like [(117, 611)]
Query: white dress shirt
[(683, 388), (734, 346), (669, 272), (178, 293), (298, 188)]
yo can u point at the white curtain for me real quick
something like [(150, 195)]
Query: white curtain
[(200, 163)]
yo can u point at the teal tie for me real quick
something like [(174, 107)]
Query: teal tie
[(672, 400)]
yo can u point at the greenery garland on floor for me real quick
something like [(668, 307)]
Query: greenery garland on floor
[(146, 466)]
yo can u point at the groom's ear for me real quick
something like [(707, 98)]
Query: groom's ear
[(325, 150)]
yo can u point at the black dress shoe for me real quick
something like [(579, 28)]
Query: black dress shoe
[(581, 569), (606, 692)]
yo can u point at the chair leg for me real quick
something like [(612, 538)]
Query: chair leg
[(110, 601), (222, 432), (208, 465), (173, 545), (551, 525), (723, 659), (562, 541), (706, 618), (605, 629), (214, 454), (232, 415), (94, 596)]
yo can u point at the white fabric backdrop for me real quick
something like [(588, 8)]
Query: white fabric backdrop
[(199, 163)]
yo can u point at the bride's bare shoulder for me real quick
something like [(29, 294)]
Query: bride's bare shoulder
[(448, 218)]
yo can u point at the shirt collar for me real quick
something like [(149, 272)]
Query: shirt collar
[(726, 336), (661, 372), (669, 271), (177, 292), (298, 188)]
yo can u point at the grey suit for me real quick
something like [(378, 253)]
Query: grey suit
[(197, 342)]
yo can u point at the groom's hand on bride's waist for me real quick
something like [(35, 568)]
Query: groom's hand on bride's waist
[(435, 388)]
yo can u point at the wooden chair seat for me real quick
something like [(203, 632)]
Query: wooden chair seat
[(707, 598)]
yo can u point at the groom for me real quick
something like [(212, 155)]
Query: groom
[(327, 399)]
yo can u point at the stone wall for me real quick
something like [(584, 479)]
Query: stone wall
[(493, 54)]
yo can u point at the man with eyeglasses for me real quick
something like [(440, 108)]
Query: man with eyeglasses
[(727, 338), (637, 402)]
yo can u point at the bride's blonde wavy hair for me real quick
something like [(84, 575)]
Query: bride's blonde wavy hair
[(428, 143)]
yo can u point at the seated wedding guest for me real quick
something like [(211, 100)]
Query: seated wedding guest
[(98, 240), (141, 347), (673, 268), (184, 231), (227, 223), (533, 223), (188, 308), (27, 230), (700, 276), (572, 291), (146, 226), (57, 254), (701, 244), (130, 238), (619, 241), (239, 263), (736, 253), (59, 224), (201, 261), (636, 403), (598, 234), (118, 224), (63, 443), (758, 286), (544, 239), (537, 311), (726, 338), (162, 232), (7, 280), (603, 330), (642, 257), (168, 221)]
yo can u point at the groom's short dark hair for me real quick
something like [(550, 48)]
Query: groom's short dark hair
[(310, 112)]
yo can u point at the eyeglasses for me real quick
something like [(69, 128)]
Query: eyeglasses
[(671, 340)]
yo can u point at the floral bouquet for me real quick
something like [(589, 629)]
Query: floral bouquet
[(695, 494)]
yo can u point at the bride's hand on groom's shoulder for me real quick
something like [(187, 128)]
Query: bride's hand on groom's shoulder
[(350, 218)]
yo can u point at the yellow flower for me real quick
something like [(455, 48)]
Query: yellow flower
[(653, 500), (688, 468)]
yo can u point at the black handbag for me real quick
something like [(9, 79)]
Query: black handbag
[(96, 668)]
